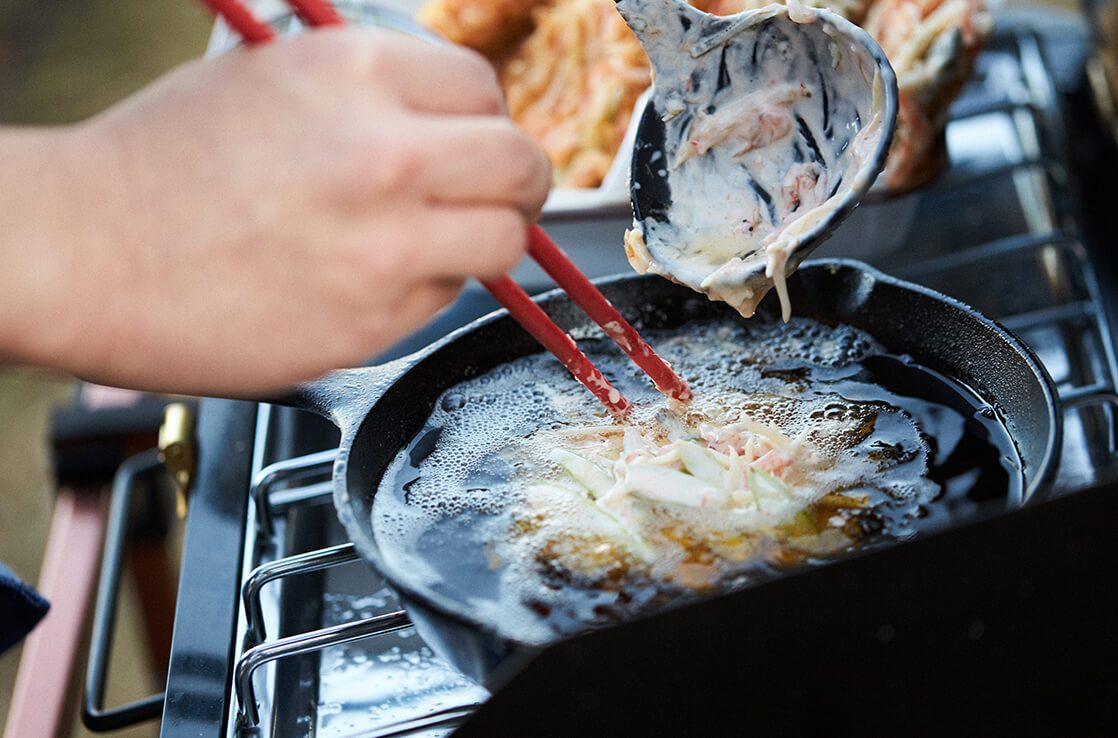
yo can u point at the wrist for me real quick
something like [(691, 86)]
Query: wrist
[(49, 243)]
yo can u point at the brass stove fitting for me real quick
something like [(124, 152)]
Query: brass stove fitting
[(178, 450)]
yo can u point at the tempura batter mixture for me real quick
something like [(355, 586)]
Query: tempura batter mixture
[(525, 500)]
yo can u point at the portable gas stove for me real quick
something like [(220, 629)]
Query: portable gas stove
[(281, 631)]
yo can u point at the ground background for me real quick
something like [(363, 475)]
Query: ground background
[(62, 61)]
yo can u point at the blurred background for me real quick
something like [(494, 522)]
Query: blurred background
[(62, 61)]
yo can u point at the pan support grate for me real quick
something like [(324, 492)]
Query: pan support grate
[(1030, 270)]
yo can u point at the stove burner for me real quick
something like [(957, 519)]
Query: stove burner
[(319, 645)]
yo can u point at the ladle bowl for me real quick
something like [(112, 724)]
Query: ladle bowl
[(763, 131)]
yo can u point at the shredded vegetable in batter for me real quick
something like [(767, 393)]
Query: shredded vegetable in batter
[(572, 71), (763, 483), (524, 499), (767, 143)]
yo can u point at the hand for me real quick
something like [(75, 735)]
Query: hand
[(264, 216)]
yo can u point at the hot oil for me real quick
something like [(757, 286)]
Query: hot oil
[(915, 451), (980, 473)]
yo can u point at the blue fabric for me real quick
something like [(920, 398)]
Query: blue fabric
[(21, 608)]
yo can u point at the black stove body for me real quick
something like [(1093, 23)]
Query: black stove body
[(1004, 624)]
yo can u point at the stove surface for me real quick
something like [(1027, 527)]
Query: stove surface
[(318, 644)]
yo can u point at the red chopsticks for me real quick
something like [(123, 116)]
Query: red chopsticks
[(582, 291), (533, 319), (241, 20), (317, 12), (540, 247)]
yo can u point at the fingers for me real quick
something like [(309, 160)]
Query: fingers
[(473, 242), (381, 325), (433, 117), (423, 75), (474, 160), (449, 79), (446, 243)]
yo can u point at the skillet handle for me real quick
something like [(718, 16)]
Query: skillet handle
[(345, 396)]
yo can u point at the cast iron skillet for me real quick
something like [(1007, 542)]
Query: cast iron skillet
[(380, 409)]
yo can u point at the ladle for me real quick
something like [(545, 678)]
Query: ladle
[(763, 131)]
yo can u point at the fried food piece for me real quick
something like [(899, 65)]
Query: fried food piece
[(573, 85), (932, 45), (572, 71), (493, 27)]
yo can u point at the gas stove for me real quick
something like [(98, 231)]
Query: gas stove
[(282, 631)]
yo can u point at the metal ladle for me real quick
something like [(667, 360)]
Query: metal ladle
[(763, 131)]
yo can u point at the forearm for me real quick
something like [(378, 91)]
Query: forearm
[(262, 217), (49, 187)]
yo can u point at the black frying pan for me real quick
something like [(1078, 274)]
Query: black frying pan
[(380, 409)]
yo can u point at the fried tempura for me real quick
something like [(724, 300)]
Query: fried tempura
[(572, 71)]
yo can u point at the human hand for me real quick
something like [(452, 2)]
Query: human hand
[(261, 217)]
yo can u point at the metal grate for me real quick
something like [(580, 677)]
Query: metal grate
[(998, 230)]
